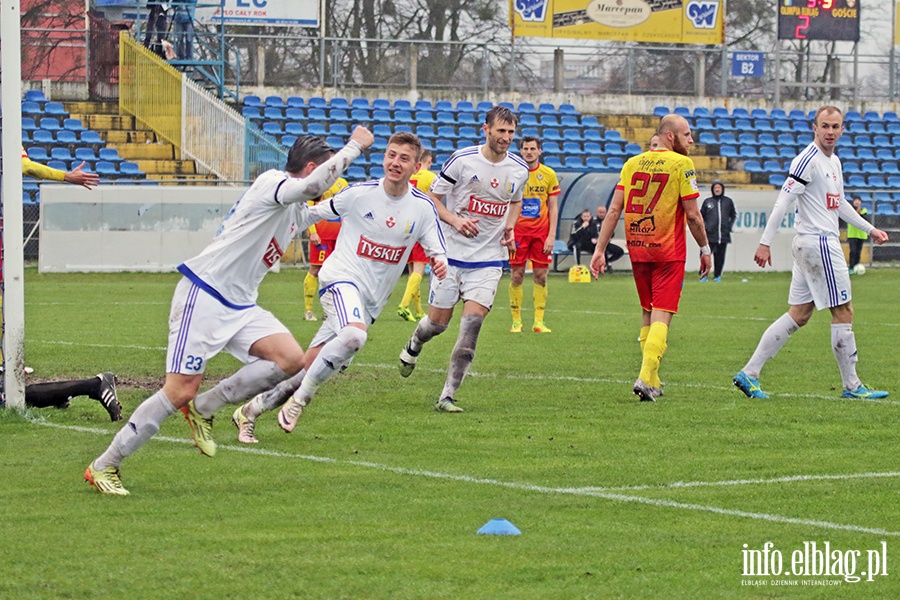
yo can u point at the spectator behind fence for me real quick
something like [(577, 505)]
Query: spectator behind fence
[(184, 29), (156, 27)]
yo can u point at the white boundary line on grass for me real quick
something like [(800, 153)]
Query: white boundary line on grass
[(518, 377), (591, 492)]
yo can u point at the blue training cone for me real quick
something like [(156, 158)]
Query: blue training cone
[(499, 527)]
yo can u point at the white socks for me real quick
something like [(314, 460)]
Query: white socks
[(775, 337), (843, 343), (143, 425)]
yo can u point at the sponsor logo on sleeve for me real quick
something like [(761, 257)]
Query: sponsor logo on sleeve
[(272, 253)]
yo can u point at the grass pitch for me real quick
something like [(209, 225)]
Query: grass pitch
[(377, 496)]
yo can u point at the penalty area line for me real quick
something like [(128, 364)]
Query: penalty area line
[(527, 487)]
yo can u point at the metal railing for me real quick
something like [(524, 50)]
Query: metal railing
[(262, 152), (150, 90), (213, 134)]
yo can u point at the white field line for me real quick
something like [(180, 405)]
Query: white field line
[(591, 492), (517, 377)]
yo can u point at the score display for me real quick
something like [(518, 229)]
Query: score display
[(833, 20)]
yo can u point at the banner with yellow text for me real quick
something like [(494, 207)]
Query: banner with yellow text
[(661, 21)]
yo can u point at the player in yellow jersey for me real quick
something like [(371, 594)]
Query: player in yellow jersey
[(417, 260), (658, 192), (322, 237), (535, 233)]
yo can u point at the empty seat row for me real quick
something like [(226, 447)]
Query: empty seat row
[(62, 137), (775, 114), (404, 105), (40, 154), (53, 109)]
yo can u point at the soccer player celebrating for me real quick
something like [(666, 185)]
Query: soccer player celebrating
[(658, 192), (322, 237), (422, 179), (535, 233), (382, 220), (483, 186), (820, 278), (214, 305)]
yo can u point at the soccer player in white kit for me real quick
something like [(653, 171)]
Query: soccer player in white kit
[(214, 305), (381, 222), (483, 188), (820, 278)]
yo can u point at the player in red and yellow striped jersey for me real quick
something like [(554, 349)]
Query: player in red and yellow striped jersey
[(322, 237), (417, 260), (535, 233), (658, 192)]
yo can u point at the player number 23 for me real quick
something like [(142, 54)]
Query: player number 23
[(640, 186)]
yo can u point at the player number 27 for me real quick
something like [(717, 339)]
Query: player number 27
[(640, 187)]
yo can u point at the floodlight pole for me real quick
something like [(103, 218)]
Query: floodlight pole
[(13, 270)]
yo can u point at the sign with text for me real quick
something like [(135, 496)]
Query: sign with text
[(748, 64), (302, 13), (662, 21)]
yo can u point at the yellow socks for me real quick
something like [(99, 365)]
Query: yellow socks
[(412, 291), (515, 302), (654, 349), (642, 338), (540, 302), (310, 288)]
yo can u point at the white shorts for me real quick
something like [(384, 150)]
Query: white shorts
[(200, 327), (820, 272), (477, 285), (342, 305)]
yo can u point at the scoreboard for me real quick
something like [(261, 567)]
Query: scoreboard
[(833, 20)]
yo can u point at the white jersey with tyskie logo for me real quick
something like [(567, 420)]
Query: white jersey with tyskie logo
[(475, 188), (257, 230), (377, 234), (816, 182)]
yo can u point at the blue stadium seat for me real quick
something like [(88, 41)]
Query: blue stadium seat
[(876, 128), (551, 148), (253, 101), (682, 111), (870, 168), (465, 106), (572, 135), (740, 113), (748, 152), (728, 138), (759, 113), (288, 141), (787, 151), (316, 129), (571, 149), (571, 121), (545, 108), (467, 118), (65, 136), (508, 105), (472, 133), (723, 125), (73, 125), (131, 169), (444, 106), (728, 151), (427, 131), (763, 125), (851, 168), (445, 118), (109, 154), (549, 121), (528, 121), (777, 180), (339, 103), (768, 152), (379, 144), (339, 129), (747, 139), (890, 117), (317, 114), (294, 114), (424, 116), (894, 182), (104, 168), (376, 172), (339, 115), (568, 109), (590, 121), (317, 102), (707, 138), (382, 116), (251, 113), (856, 127), (777, 114), (444, 146), (553, 162), (49, 124), (615, 163), (356, 173), (404, 127), (381, 104), (752, 166), (613, 149), (272, 128), (295, 102), (593, 135), (849, 116), (275, 102), (782, 126), (704, 124), (786, 139), (594, 163), (91, 138), (335, 141), (360, 104), (804, 139), (797, 115), (28, 124), (32, 109), (551, 135), (38, 153), (877, 182), (701, 112), (770, 166), (294, 128), (56, 109), (800, 126), (403, 116), (766, 139), (593, 148), (720, 113), (660, 111), (272, 113), (59, 164), (573, 163), (447, 132), (35, 96), (856, 181), (633, 149), (43, 137), (613, 135), (865, 153), (880, 141)]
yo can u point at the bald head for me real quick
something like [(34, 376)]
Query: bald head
[(675, 133)]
